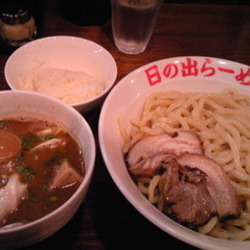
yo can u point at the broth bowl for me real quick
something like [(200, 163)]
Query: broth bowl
[(29, 103), (185, 74), (68, 58)]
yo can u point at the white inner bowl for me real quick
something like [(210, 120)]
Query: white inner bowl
[(23, 102), (64, 52)]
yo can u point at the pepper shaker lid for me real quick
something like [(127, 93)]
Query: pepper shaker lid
[(15, 11), (18, 17)]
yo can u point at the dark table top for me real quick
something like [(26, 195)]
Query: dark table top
[(106, 220)]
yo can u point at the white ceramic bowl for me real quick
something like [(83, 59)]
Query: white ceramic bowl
[(23, 102), (64, 52), (126, 98)]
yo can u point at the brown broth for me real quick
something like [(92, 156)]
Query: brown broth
[(37, 167)]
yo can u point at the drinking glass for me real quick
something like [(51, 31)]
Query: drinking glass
[(133, 22)]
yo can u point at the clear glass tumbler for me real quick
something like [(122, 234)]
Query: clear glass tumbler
[(133, 22)]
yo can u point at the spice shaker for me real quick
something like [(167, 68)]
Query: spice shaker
[(17, 25)]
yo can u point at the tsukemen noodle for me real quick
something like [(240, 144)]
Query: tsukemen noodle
[(189, 154)]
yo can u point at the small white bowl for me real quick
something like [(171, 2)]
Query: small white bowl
[(23, 102), (67, 53), (184, 74)]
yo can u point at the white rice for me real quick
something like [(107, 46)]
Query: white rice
[(66, 85)]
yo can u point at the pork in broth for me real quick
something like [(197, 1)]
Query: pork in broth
[(41, 166)]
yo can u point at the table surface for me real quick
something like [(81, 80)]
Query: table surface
[(106, 220)]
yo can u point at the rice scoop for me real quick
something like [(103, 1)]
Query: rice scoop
[(66, 85)]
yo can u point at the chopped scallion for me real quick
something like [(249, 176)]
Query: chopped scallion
[(53, 198), (48, 137), (27, 171)]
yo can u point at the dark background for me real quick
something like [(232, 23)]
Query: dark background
[(239, 2), (93, 12)]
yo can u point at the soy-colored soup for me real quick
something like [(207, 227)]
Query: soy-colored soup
[(41, 166)]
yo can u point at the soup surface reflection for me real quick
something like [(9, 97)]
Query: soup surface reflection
[(41, 166)]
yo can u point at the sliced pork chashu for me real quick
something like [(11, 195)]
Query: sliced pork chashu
[(151, 154), (217, 182), (185, 193), (194, 188)]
